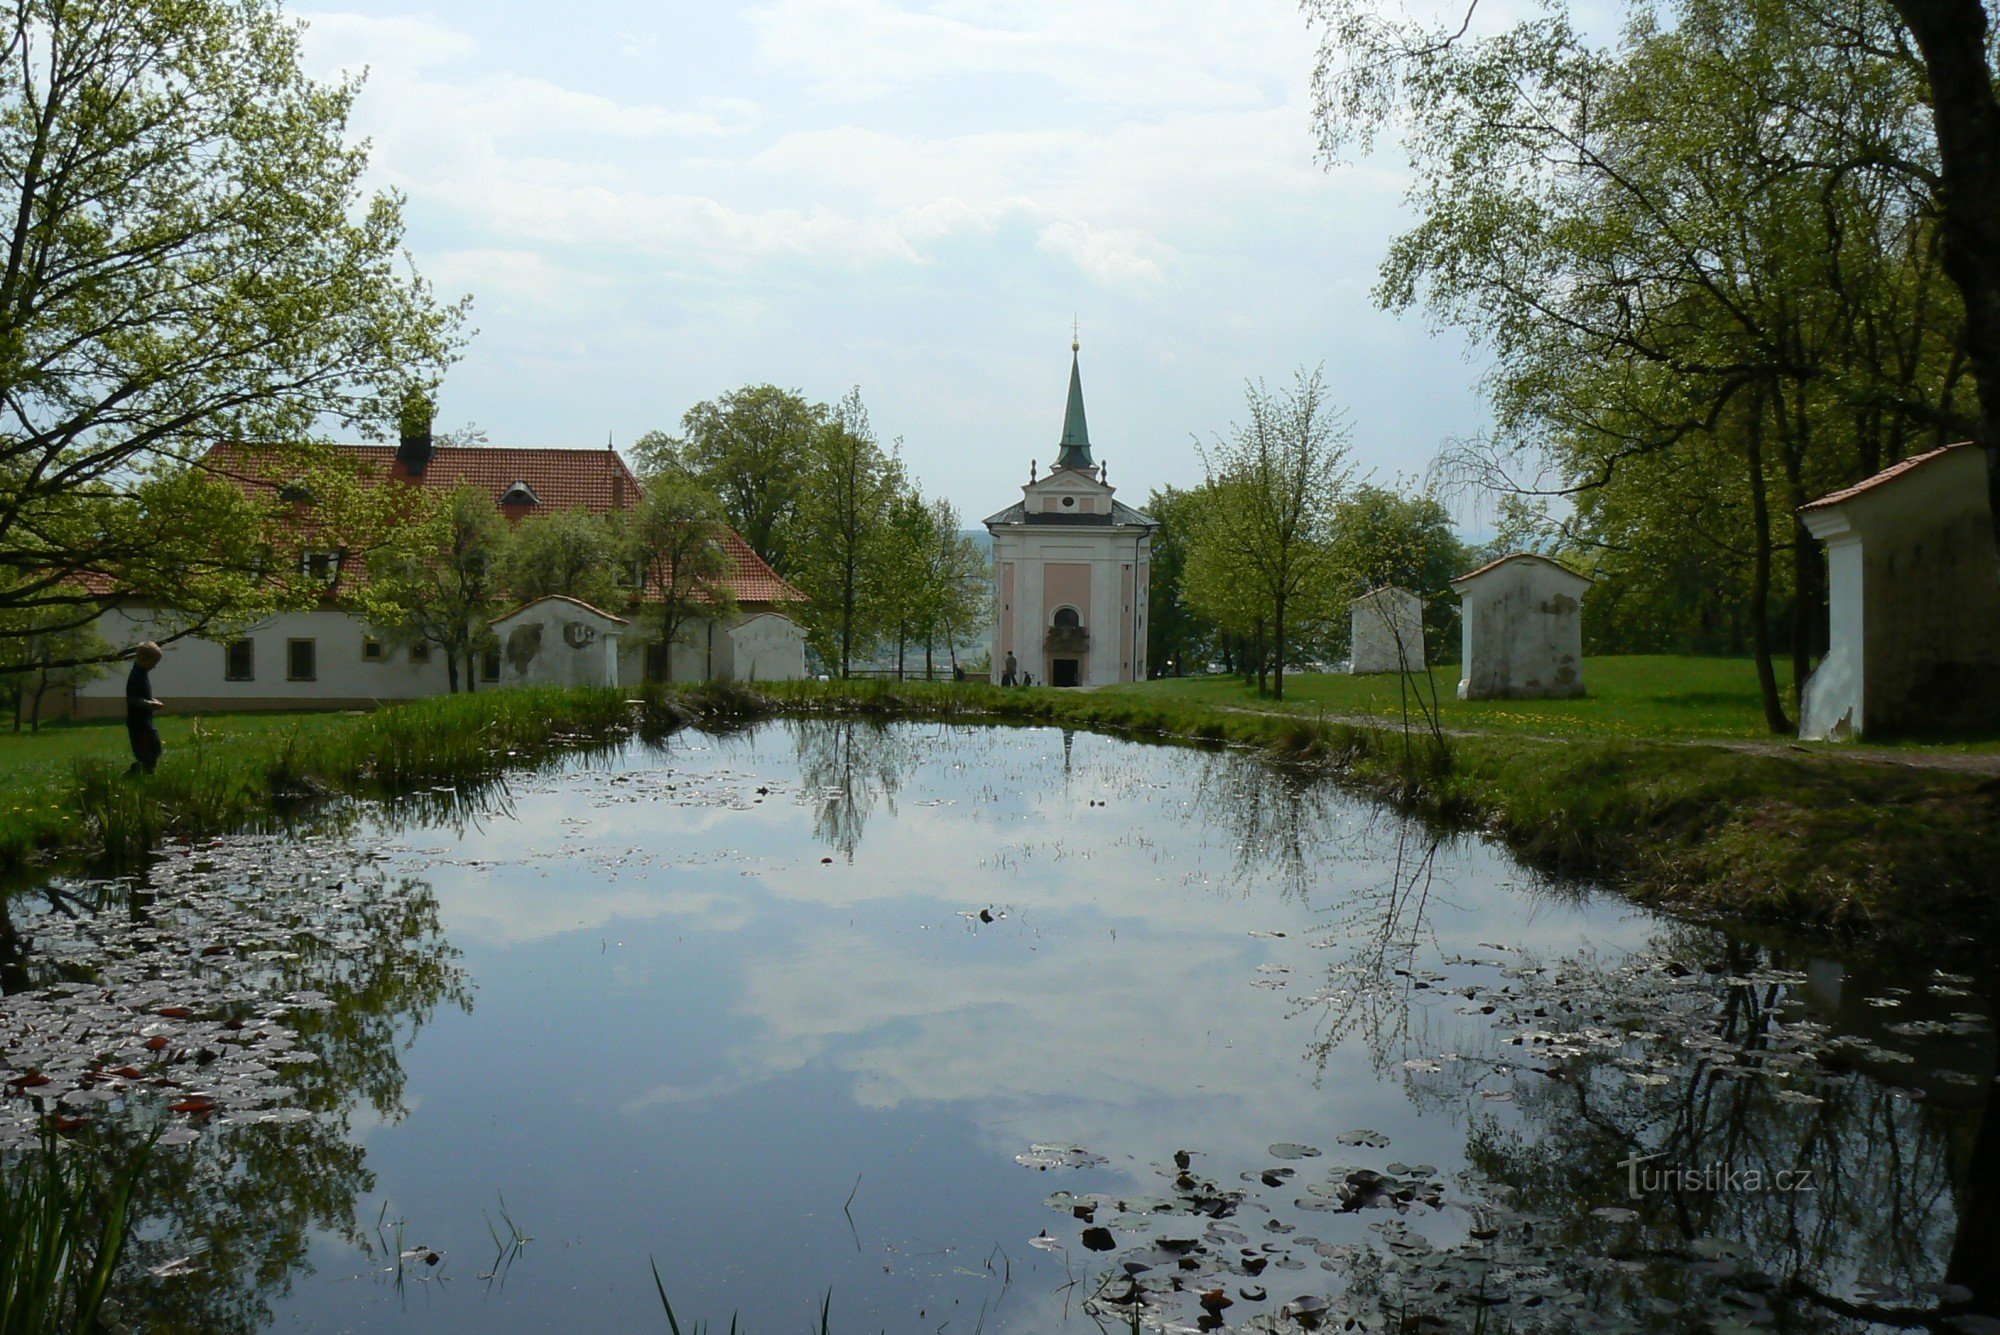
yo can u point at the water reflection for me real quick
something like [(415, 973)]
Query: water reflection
[(1332, 1063), (310, 942), (847, 767)]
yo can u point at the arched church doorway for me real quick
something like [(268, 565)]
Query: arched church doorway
[(1067, 641)]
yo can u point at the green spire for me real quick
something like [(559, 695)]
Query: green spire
[(1075, 451)]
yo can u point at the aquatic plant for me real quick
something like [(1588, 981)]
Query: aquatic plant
[(63, 1220)]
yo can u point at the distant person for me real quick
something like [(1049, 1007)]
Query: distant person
[(140, 706), (1008, 669)]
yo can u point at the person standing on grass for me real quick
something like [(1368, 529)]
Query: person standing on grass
[(1008, 669), (140, 706)]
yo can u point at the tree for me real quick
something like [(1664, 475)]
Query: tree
[(569, 552), (1267, 535), (675, 543), (437, 580), (186, 255), (960, 584), (1176, 635), (931, 580), (752, 447), (843, 526), (51, 660), (1714, 240), (1956, 47), (1382, 538)]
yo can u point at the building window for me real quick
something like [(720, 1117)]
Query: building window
[(371, 649), (320, 567), (1069, 502), (1067, 619), (301, 660), (420, 652), (239, 660), (489, 665)]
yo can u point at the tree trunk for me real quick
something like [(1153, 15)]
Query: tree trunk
[(1278, 642), (451, 669), (1951, 35), (1760, 576)]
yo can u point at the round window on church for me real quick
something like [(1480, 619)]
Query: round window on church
[(1069, 502), (1067, 619)]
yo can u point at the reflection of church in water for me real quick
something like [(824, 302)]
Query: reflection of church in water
[(1069, 570)]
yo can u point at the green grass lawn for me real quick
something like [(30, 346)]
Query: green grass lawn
[(28, 759), (1657, 696)]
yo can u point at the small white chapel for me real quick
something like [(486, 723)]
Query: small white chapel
[(1070, 568)]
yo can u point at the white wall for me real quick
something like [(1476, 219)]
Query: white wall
[(191, 670), (1107, 551), (1523, 633), (766, 647), (1386, 632)]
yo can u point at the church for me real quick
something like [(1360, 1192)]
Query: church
[(1070, 568)]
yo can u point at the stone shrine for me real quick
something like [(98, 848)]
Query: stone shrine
[(1523, 628), (1386, 632)]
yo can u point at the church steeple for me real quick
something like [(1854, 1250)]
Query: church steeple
[(1075, 450)]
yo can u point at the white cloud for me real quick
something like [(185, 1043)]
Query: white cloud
[(1109, 255)]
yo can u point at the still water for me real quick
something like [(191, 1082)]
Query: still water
[(961, 1029)]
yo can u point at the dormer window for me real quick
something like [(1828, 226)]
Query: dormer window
[(298, 493), (520, 494)]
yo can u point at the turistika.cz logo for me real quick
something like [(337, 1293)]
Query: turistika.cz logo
[(1642, 1181)]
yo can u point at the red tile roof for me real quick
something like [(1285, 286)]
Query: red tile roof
[(594, 480), (1522, 556), (1889, 474)]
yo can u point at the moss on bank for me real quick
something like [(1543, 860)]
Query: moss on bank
[(1902, 856)]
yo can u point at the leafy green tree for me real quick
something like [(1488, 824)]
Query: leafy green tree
[(1264, 547), (752, 447), (931, 580), (33, 665), (570, 552), (1718, 237), (851, 483), (438, 578), (1381, 538), (187, 255), (1177, 635), (676, 544), (960, 584)]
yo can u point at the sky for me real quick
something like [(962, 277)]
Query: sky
[(654, 204)]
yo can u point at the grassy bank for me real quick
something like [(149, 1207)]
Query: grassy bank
[(67, 790), (1808, 841), (1637, 697)]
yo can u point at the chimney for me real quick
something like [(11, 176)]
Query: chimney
[(414, 450)]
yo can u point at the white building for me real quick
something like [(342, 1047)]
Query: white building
[(1070, 570), (1523, 628), (1386, 632), (1913, 601), (327, 657)]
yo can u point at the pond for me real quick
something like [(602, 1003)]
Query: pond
[(938, 1028)]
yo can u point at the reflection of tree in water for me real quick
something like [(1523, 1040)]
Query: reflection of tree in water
[(846, 766), (364, 962), (1280, 820), (1701, 1053)]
